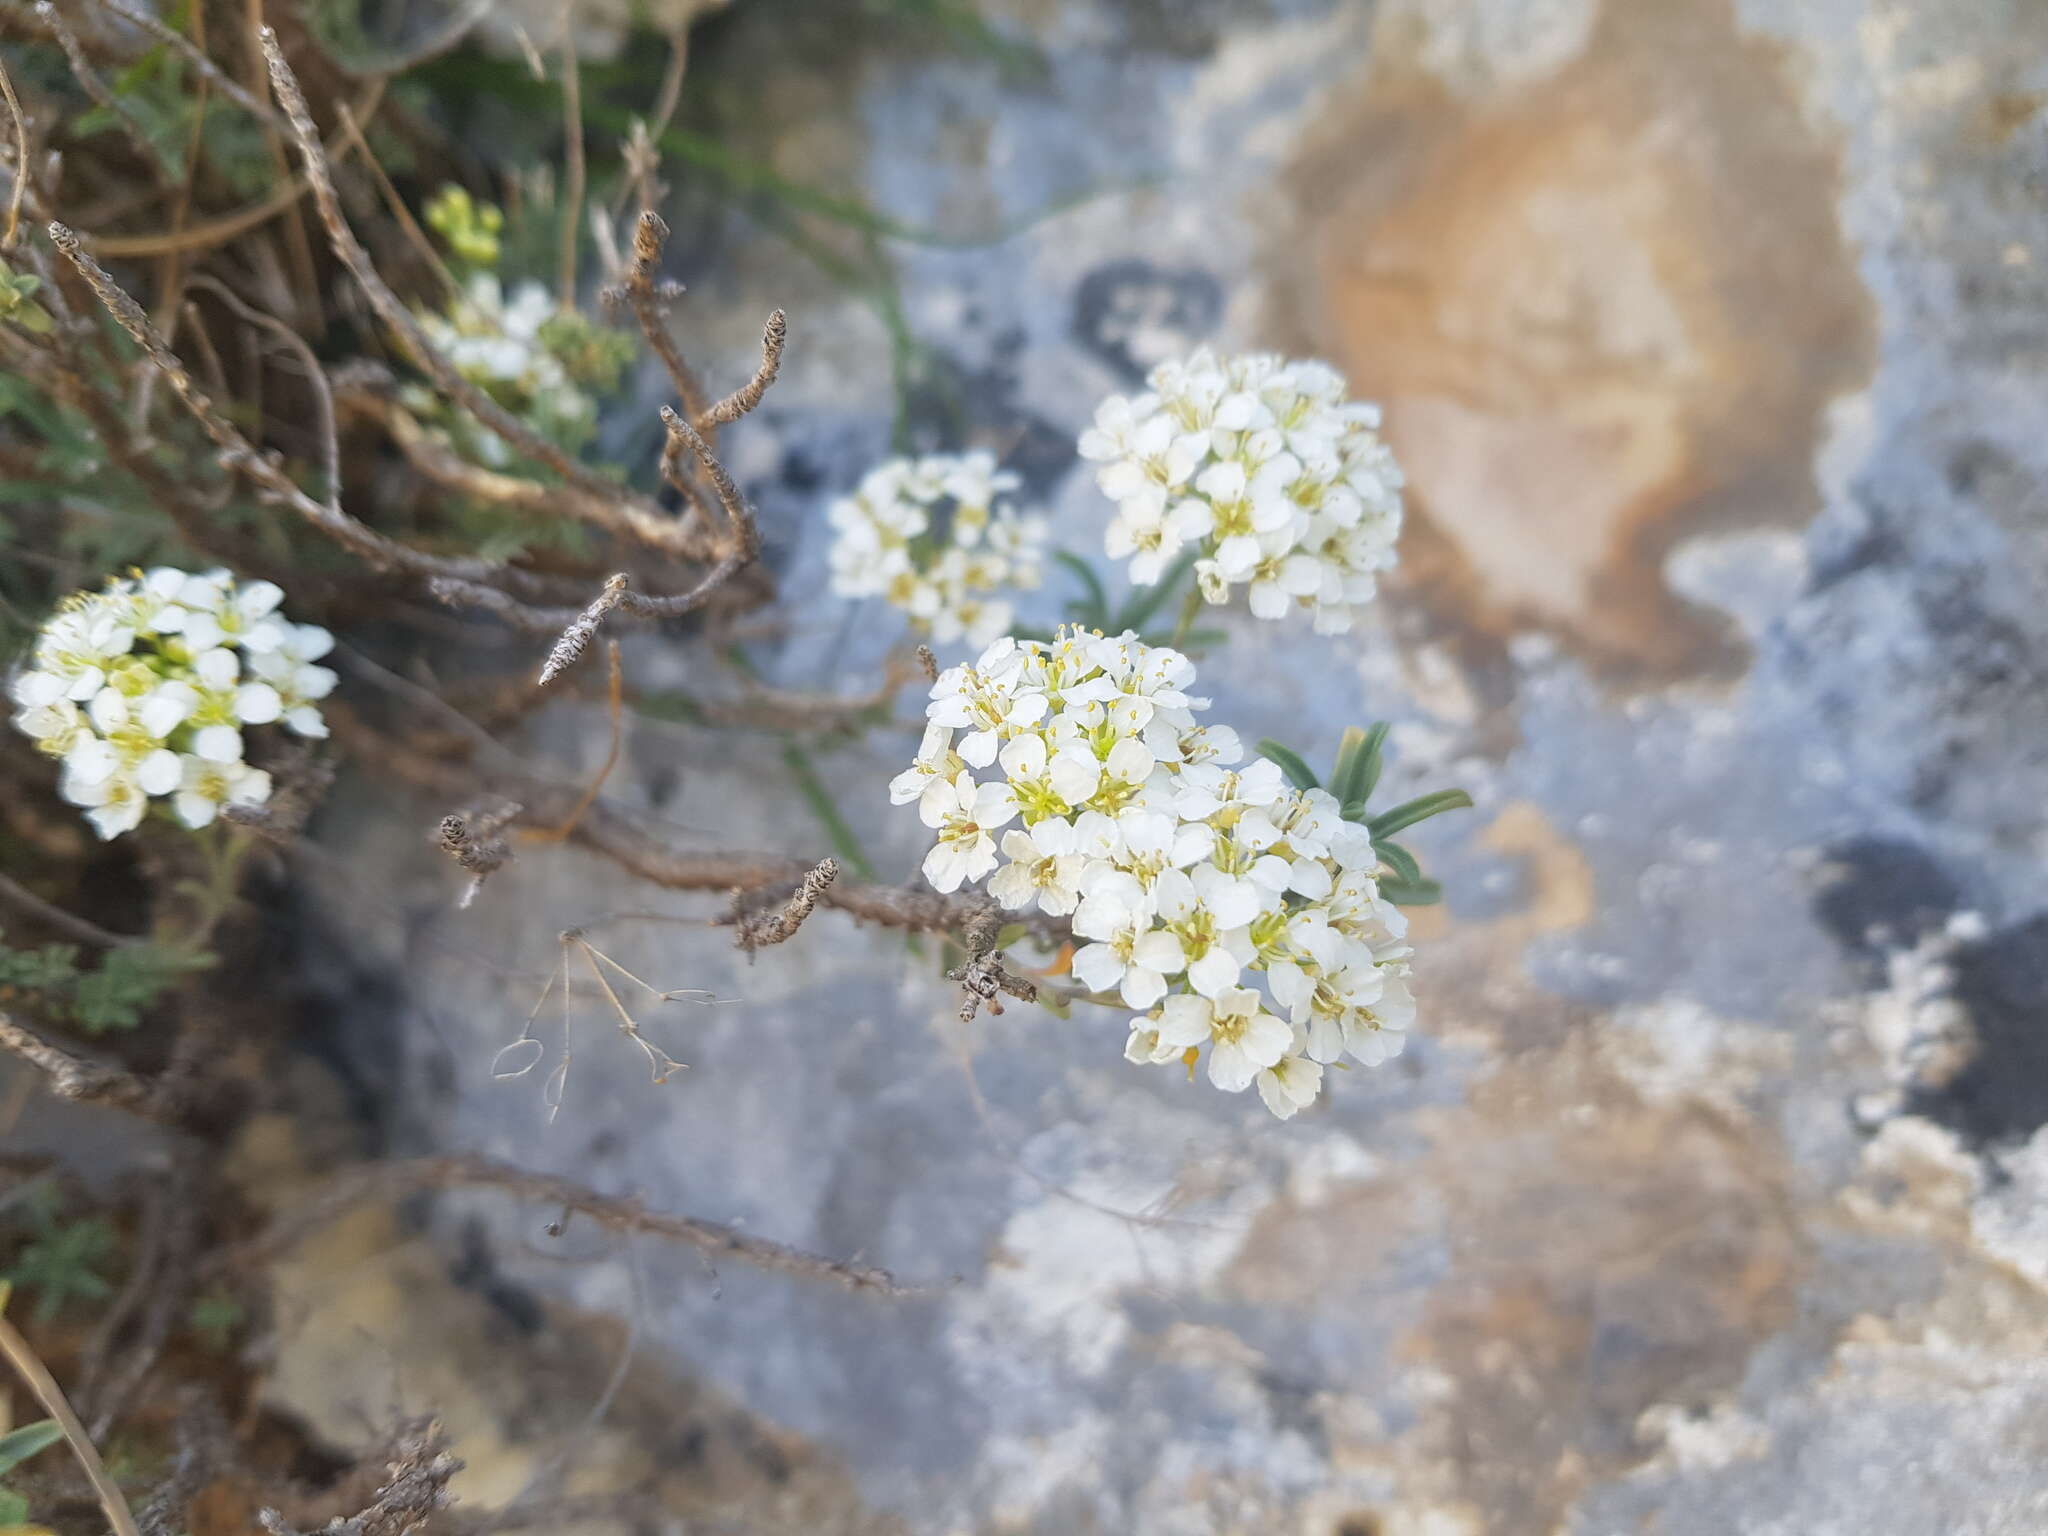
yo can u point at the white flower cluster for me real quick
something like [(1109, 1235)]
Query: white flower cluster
[(931, 536), (1189, 877), (1264, 465), (499, 347), (142, 689)]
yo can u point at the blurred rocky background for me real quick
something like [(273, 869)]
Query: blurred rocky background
[(1709, 1197)]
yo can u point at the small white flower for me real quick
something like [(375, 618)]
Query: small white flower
[(964, 815), (935, 759), (1044, 866), (113, 804), (1290, 1085), (205, 786), (935, 538), (288, 668), (1242, 1037), (77, 647), (1128, 956)]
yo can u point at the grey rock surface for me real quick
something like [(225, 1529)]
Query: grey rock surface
[(1708, 1197)]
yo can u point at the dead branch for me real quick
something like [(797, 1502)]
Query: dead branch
[(748, 395), (396, 1180), (746, 536), (465, 593), (169, 1290), (757, 930), (584, 494), (239, 453), (28, 1365), (71, 1076), (19, 187), (472, 839), (90, 82), (648, 299), (640, 848), (983, 977), (577, 636), (69, 924), (575, 173), (418, 1470), (309, 365)]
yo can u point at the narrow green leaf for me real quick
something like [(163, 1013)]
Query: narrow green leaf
[(1401, 862), (819, 799), (13, 1508), (1358, 764), (1094, 609), (1299, 774), (1421, 808), (1144, 602), (1420, 893), (24, 1442)]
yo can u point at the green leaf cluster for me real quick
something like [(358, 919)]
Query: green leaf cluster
[(1360, 758), (63, 1259), (114, 995)]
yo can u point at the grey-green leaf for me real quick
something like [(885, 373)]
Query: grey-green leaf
[(1421, 808), (17, 1447), (1299, 774)]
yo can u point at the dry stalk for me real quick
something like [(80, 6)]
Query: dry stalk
[(757, 930), (18, 190), (239, 453), (983, 977), (73, 1077), (615, 695), (42, 1386), (584, 494), (396, 1180), (472, 839), (577, 637), (748, 395)]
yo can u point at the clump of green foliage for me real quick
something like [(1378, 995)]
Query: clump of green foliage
[(113, 995), (64, 1258)]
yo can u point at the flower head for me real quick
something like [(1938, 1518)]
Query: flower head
[(1264, 468), (936, 539), (144, 690), (1191, 879)]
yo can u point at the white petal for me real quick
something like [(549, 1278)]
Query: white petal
[(194, 809), (1215, 972), (218, 743), (1097, 967), (159, 772), (258, 703)]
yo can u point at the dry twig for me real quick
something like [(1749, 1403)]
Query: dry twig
[(577, 636), (584, 494), (395, 1180), (19, 188), (43, 1387), (983, 976), (418, 1469), (69, 924), (73, 1077), (472, 839), (757, 930)]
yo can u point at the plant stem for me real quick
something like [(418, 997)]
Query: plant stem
[(1190, 606), (819, 799), (43, 1387)]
